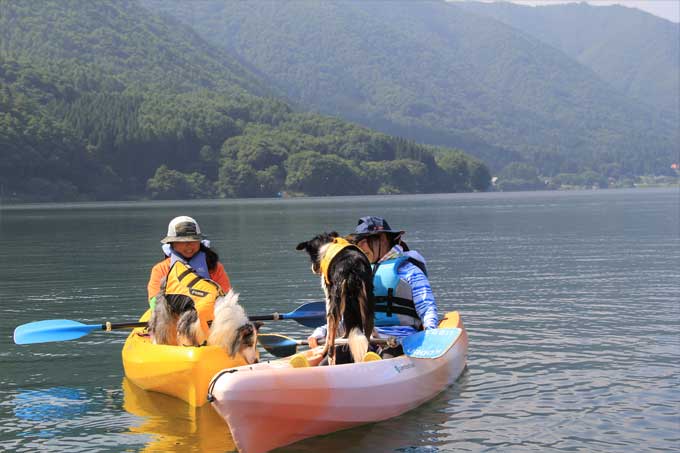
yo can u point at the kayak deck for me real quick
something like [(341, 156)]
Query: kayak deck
[(271, 404)]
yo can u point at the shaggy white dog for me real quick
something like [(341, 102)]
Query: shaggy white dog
[(232, 330)]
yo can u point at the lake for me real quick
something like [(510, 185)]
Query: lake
[(571, 301)]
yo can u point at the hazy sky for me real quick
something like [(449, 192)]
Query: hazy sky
[(668, 9)]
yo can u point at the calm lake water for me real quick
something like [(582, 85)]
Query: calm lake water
[(571, 301)]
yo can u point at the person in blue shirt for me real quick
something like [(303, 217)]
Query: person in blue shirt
[(403, 296)]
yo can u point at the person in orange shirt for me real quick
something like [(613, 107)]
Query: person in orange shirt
[(184, 242)]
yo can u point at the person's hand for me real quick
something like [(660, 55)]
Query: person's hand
[(313, 342), (315, 359)]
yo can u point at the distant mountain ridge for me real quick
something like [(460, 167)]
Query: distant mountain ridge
[(438, 73), (636, 52)]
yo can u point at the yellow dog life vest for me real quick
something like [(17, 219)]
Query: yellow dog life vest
[(183, 280), (335, 247)]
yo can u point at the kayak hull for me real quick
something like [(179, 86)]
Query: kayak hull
[(180, 371), (270, 404)]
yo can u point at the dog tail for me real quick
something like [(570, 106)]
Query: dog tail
[(358, 344)]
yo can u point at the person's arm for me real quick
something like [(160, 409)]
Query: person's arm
[(219, 275), (153, 287), (423, 299), (318, 334)]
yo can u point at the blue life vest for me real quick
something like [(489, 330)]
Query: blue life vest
[(197, 262), (393, 296)]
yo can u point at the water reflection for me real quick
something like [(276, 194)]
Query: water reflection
[(173, 425), (44, 409), (50, 404)]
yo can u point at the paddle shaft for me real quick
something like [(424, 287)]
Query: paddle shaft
[(283, 346), (296, 315), (134, 325), (342, 341), (278, 316), (123, 325), (311, 314)]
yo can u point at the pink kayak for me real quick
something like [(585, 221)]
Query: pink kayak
[(272, 404)]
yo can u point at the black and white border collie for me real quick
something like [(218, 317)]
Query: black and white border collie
[(349, 294), (176, 322)]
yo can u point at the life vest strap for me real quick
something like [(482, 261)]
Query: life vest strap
[(398, 310), (193, 282), (399, 301), (179, 303), (187, 271), (390, 304), (191, 272)]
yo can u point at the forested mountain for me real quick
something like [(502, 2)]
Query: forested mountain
[(636, 52), (437, 73), (108, 100), (107, 46)]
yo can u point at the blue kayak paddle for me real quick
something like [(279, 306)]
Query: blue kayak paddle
[(62, 330), (427, 344), (312, 314)]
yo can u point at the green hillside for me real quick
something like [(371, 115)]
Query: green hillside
[(436, 73), (111, 101), (116, 44), (636, 52)]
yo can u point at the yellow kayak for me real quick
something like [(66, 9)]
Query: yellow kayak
[(180, 371)]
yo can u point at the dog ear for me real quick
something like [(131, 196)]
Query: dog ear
[(301, 246), (241, 333), (258, 325), (333, 234)]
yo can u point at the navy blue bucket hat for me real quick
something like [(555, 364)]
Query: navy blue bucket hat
[(370, 225)]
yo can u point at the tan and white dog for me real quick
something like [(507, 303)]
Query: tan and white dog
[(232, 330)]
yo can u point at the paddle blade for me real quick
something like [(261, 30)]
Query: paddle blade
[(310, 321), (51, 330), (431, 343), (312, 314), (278, 345)]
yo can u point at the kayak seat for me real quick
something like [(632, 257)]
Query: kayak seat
[(298, 361), (371, 356)]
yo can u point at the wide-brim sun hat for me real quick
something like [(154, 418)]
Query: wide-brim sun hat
[(372, 225), (183, 229)]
